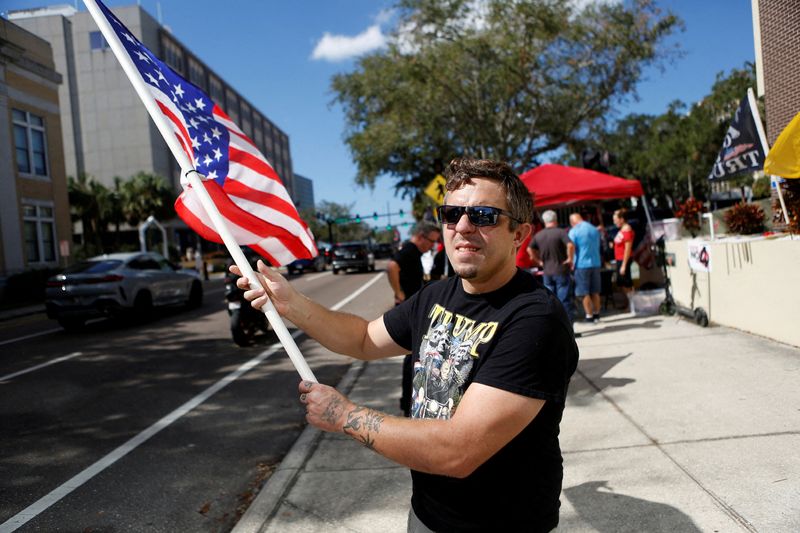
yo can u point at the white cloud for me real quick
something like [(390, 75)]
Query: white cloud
[(340, 47)]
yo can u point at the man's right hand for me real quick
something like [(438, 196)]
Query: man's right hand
[(271, 284), (399, 297)]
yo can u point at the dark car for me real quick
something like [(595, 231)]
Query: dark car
[(317, 264), (384, 250), (108, 285), (356, 255)]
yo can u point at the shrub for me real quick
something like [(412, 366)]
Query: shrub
[(745, 219), (689, 212), (28, 286)]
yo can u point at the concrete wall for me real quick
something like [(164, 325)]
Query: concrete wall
[(753, 285)]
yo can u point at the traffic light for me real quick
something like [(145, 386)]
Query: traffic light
[(374, 215), (388, 227), (358, 218), (401, 212)]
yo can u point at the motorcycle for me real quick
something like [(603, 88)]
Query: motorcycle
[(244, 320)]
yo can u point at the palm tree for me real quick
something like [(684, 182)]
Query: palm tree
[(89, 201), (144, 195)]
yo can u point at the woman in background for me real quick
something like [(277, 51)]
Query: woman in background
[(623, 249)]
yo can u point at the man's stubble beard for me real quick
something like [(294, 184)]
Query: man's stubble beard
[(466, 271)]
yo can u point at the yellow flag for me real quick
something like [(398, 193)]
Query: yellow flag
[(783, 158), (435, 189)]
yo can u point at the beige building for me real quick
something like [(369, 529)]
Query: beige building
[(35, 228)]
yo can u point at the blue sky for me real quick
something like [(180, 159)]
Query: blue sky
[(281, 56)]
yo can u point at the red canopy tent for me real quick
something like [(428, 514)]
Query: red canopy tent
[(560, 185)]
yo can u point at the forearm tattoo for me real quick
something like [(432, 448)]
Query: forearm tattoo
[(333, 411), (363, 424)]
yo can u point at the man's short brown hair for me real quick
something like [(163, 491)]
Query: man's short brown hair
[(460, 171)]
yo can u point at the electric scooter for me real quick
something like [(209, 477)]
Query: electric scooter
[(669, 306)]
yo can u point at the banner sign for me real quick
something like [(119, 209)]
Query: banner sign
[(699, 256), (743, 149)]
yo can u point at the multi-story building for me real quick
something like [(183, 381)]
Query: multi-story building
[(303, 192), (35, 229), (107, 131)]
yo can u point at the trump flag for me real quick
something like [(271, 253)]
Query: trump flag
[(246, 190), (744, 146)]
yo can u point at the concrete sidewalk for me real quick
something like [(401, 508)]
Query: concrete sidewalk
[(668, 427)]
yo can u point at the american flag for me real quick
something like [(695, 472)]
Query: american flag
[(245, 188)]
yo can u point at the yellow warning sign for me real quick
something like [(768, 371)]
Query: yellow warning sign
[(435, 189)]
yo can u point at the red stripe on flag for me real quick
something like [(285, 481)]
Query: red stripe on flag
[(252, 223), (239, 189), (243, 137), (175, 120), (194, 222), (253, 163)]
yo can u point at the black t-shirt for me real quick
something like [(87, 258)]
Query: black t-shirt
[(552, 246), (519, 339), (411, 274)]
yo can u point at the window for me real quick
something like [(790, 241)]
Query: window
[(173, 55), (246, 121), (197, 74), (97, 41), (29, 142), (39, 232), (232, 106), (217, 94)]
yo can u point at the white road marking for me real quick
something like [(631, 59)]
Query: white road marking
[(32, 335), (316, 276), (359, 291), (49, 499), (37, 367)]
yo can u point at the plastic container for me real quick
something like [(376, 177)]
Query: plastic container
[(647, 302)]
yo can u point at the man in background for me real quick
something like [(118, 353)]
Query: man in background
[(406, 277), (586, 239), (552, 251)]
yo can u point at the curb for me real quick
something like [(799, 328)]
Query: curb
[(282, 480)]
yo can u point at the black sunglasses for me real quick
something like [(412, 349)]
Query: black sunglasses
[(479, 215)]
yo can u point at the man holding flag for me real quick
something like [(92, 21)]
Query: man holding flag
[(493, 352)]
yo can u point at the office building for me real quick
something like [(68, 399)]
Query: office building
[(107, 131), (35, 228)]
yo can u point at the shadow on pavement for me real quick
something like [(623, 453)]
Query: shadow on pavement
[(611, 512), (653, 323), (583, 391)]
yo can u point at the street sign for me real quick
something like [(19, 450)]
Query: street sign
[(435, 189)]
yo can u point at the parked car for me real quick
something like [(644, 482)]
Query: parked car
[(112, 284), (384, 250), (317, 264), (353, 255)]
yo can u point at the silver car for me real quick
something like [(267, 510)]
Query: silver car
[(109, 285)]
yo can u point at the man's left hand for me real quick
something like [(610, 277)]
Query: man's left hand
[(326, 407)]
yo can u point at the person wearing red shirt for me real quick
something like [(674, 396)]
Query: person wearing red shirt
[(623, 248)]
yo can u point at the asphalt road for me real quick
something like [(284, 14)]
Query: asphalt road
[(163, 426)]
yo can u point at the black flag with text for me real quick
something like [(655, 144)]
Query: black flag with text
[(742, 149)]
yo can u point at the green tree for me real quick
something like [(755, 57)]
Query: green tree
[(343, 230), (513, 82), (146, 194), (89, 203), (666, 151)]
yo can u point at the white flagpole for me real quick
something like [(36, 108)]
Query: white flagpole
[(751, 98), (195, 179)]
